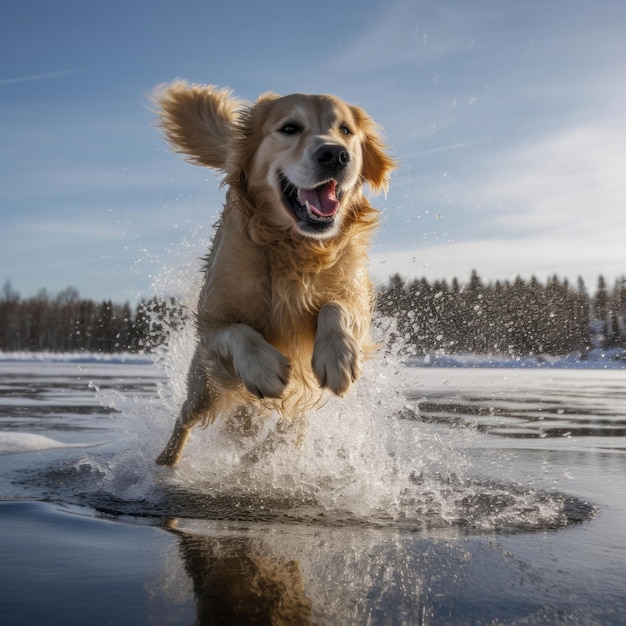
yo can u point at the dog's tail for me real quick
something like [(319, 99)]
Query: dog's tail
[(198, 121)]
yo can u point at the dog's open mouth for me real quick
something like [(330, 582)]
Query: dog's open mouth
[(316, 208)]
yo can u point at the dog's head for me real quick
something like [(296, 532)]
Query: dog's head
[(300, 159)]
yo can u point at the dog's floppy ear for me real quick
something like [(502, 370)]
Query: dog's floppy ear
[(198, 120), (248, 136), (377, 164)]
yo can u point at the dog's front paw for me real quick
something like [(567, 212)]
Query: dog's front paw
[(263, 370), (336, 361)]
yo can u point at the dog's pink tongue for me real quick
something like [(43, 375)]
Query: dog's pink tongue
[(322, 200)]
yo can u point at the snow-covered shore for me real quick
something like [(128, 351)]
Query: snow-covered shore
[(594, 359), (78, 357)]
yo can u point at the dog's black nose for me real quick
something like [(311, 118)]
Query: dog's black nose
[(332, 157)]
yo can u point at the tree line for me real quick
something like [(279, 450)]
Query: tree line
[(68, 323), (518, 318)]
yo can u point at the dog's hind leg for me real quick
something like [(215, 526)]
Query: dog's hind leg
[(172, 452), (200, 405)]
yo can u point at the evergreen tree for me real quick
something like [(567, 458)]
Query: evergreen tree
[(601, 301)]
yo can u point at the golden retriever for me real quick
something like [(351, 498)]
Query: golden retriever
[(284, 311)]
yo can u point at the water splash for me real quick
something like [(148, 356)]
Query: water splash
[(364, 459)]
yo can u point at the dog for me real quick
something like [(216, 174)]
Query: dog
[(285, 307)]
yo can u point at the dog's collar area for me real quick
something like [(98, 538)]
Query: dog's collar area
[(314, 209)]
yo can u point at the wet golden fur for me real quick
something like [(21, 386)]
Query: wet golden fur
[(285, 307)]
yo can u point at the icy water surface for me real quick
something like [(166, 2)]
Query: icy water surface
[(427, 496)]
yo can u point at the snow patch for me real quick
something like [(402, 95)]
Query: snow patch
[(12, 443)]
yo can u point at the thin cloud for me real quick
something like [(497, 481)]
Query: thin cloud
[(571, 182), (452, 146), (46, 76)]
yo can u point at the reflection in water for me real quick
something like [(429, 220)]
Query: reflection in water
[(235, 581), (247, 573), (302, 575)]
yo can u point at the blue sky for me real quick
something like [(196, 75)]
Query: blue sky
[(508, 119)]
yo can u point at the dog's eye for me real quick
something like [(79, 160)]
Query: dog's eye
[(345, 130), (291, 128)]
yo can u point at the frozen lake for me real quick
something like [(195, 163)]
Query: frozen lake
[(428, 496)]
